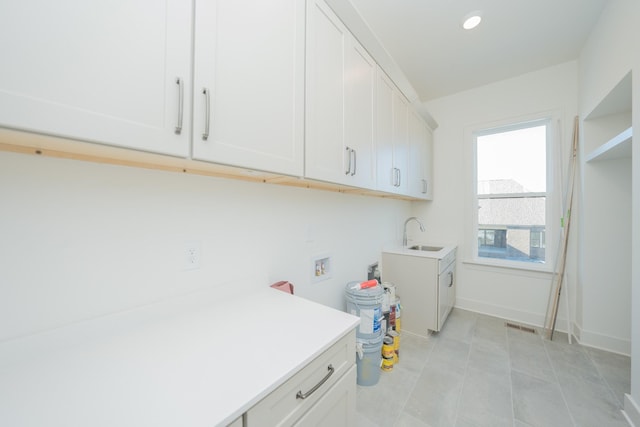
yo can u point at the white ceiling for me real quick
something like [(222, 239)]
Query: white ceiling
[(439, 58)]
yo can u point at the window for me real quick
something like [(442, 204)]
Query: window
[(511, 197)]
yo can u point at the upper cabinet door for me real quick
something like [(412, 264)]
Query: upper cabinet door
[(420, 153), (249, 84), (340, 142), (392, 137), (359, 114), (326, 155), (115, 72), (387, 175)]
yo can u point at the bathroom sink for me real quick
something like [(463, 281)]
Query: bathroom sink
[(426, 248)]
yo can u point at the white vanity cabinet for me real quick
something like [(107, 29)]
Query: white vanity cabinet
[(114, 72), (249, 84), (340, 115), (425, 284)]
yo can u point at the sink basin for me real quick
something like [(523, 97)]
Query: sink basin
[(426, 248)]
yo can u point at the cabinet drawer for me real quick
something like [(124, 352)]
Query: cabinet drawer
[(337, 407), (283, 407)]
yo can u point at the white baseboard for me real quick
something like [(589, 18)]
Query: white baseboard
[(631, 411), (529, 318), (603, 342), (584, 337)]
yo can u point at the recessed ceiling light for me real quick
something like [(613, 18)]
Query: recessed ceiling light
[(471, 20)]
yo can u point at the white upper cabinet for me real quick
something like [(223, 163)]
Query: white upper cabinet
[(392, 137), (249, 84), (340, 115), (116, 72), (420, 158)]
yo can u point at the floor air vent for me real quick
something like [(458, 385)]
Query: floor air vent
[(520, 327)]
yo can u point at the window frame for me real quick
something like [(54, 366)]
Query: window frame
[(552, 206)]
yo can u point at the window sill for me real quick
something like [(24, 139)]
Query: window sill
[(515, 267)]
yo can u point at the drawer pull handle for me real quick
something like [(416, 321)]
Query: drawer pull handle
[(302, 395)]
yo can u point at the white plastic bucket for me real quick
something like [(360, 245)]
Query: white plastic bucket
[(369, 360), (366, 304)]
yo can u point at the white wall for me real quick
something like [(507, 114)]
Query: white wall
[(511, 294), (609, 54), (79, 240)]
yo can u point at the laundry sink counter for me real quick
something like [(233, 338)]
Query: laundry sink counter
[(425, 250)]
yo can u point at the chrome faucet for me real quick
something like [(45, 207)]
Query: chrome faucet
[(404, 235)]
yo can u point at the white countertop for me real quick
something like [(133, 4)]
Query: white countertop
[(403, 250), (194, 361)]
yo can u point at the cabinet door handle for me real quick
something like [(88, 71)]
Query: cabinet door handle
[(302, 395), (395, 177), (348, 171), (398, 177), (355, 162), (450, 279), (207, 112), (424, 186), (178, 129)]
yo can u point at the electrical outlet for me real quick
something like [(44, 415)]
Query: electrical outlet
[(192, 254)]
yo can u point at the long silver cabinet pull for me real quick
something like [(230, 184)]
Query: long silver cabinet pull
[(355, 162), (180, 105), (450, 279), (399, 177), (207, 113), (302, 395), (424, 186), (348, 171), (396, 177)]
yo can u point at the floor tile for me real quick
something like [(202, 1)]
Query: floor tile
[(571, 361), (591, 403), (538, 403), (490, 356), (414, 352), (460, 325), (528, 355), (476, 372), (449, 352), (384, 401), (486, 399), (615, 369), (407, 420), (435, 396)]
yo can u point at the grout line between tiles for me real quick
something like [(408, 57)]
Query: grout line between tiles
[(466, 370), (555, 374)]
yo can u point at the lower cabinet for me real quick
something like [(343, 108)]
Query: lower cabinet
[(335, 408), (426, 287), (320, 394)]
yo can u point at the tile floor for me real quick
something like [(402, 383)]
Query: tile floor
[(478, 373)]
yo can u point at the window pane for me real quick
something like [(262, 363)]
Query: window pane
[(511, 193), (514, 228), (513, 161)]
